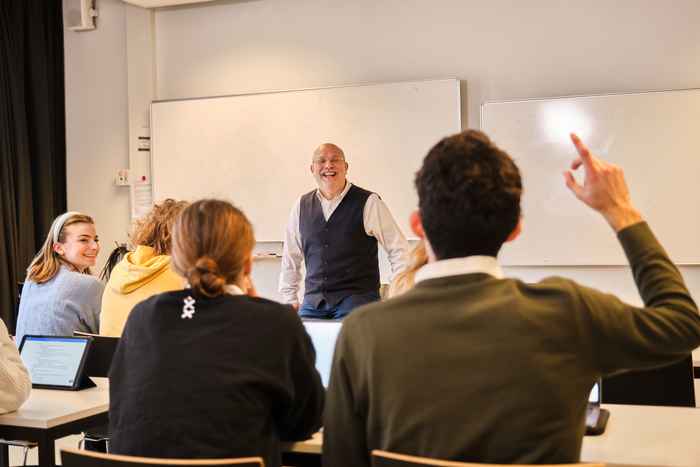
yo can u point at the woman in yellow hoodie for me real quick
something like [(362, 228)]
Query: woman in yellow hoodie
[(143, 272)]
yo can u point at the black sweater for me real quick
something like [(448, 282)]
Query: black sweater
[(233, 380)]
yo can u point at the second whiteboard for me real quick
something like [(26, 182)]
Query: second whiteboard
[(652, 136)]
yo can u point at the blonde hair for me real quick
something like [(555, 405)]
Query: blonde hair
[(212, 242), (155, 228), (404, 281), (47, 262)]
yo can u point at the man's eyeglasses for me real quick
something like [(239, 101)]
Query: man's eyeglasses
[(333, 160)]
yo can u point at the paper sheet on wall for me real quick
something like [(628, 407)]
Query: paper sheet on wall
[(142, 199)]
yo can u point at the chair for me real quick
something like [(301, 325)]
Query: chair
[(12, 325), (78, 458), (390, 459), (671, 385)]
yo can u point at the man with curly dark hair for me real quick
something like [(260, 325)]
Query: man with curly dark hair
[(472, 366)]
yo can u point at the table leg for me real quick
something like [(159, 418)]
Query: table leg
[(4, 456), (47, 451)]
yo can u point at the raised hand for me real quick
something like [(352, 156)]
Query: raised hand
[(604, 188)]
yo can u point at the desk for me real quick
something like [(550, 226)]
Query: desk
[(635, 436), (51, 414), (647, 435)]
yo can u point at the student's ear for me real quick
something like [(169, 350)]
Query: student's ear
[(58, 248), (516, 231), (417, 224), (248, 266)]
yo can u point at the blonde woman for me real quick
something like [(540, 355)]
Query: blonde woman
[(210, 371), (403, 281), (143, 272), (59, 294)]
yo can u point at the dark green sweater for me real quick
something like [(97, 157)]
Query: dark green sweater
[(475, 368)]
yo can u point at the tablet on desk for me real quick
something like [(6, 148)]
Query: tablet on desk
[(596, 418), (99, 358), (56, 362)]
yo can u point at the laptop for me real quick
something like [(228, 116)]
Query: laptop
[(56, 362), (596, 418), (323, 334)]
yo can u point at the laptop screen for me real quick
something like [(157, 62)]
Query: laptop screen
[(594, 396), (53, 361), (323, 335)]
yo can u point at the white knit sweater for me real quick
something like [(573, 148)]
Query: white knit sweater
[(14, 377)]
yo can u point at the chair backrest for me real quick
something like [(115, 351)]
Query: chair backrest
[(79, 458), (671, 385), (12, 325), (390, 459)]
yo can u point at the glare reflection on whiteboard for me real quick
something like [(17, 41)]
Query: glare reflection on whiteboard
[(559, 119)]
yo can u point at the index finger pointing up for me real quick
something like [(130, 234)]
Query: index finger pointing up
[(584, 153)]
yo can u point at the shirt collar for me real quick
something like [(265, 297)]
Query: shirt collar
[(233, 289), (459, 266), (339, 196)]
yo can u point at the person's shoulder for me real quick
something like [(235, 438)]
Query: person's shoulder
[(557, 294), (266, 306), (77, 282), (363, 191), (68, 275), (154, 305), (549, 283), (282, 319), (264, 302), (304, 197), (168, 298)]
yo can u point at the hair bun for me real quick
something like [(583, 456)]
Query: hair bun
[(205, 277)]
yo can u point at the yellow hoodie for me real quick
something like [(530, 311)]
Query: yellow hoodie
[(139, 275)]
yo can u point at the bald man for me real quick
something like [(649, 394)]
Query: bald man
[(334, 230)]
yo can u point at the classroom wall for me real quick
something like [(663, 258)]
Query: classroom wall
[(97, 122), (501, 49)]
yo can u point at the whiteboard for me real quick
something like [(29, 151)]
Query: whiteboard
[(255, 150), (653, 136)]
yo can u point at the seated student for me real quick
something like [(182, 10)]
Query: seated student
[(210, 372), (14, 377), (500, 370), (59, 294), (143, 272)]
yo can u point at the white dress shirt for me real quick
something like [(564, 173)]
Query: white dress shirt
[(233, 289), (378, 221), (459, 266)]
